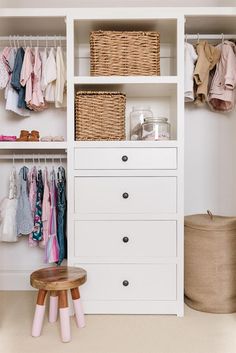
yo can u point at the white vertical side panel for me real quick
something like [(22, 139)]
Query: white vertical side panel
[(180, 185), (70, 129)]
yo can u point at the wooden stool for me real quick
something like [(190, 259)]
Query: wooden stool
[(58, 280)]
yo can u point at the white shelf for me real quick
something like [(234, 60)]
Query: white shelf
[(107, 80), (33, 145), (126, 144)]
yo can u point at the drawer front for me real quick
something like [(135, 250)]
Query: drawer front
[(125, 158), (125, 195), (125, 239), (130, 282)]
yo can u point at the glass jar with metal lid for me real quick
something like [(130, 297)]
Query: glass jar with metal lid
[(155, 129)]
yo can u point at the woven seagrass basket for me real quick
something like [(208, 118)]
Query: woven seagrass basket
[(124, 53), (99, 115)]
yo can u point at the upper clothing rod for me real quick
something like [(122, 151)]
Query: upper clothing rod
[(33, 38), (210, 36), (34, 157)]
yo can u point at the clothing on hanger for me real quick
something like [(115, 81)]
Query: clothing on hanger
[(222, 91), (208, 56), (60, 89), (46, 208), (24, 219), (190, 60), (8, 206), (32, 182), (50, 77), (52, 247), (61, 213), (3, 73), (15, 79), (38, 224)]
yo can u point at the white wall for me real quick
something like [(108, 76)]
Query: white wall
[(210, 161), (112, 3)]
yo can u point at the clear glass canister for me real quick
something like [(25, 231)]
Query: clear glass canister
[(137, 116), (155, 129)]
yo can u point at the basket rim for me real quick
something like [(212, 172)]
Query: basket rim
[(139, 32), (100, 93)]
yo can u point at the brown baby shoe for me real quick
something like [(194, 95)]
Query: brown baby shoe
[(34, 136), (24, 136)]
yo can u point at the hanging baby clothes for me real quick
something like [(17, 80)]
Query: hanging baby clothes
[(36, 102), (208, 56), (8, 231), (38, 224), (60, 90), (43, 84), (3, 74), (190, 57), (11, 96), (27, 73), (222, 91), (52, 247), (61, 214), (32, 199), (50, 77), (24, 219), (46, 207), (15, 79)]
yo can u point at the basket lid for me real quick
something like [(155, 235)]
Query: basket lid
[(210, 222)]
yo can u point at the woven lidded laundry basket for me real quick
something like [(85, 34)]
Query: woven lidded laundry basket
[(124, 53), (210, 263), (99, 115)]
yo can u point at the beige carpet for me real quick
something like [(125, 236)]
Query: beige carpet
[(195, 333)]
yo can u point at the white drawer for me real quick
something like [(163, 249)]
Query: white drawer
[(144, 282), (125, 239), (125, 158), (125, 195)]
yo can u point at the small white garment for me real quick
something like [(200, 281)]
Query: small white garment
[(12, 102), (50, 77), (190, 57), (43, 55), (60, 93), (8, 207)]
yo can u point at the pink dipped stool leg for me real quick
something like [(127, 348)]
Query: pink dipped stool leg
[(53, 306), (39, 313), (64, 316), (79, 313)]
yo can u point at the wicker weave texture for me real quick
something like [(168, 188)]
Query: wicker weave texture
[(124, 53), (99, 115)]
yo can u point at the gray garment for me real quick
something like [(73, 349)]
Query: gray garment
[(24, 219)]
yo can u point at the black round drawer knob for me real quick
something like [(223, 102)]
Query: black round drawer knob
[(125, 283), (124, 158), (125, 195), (125, 240)]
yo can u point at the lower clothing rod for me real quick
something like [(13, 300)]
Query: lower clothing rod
[(35, 157)]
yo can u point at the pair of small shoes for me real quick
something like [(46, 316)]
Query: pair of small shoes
[(25, 135), (7, 138), (52, 138)]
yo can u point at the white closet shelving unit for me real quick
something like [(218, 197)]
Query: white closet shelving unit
[(152, 218)]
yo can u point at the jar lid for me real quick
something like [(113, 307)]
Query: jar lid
[(205, 222), (155, 120)]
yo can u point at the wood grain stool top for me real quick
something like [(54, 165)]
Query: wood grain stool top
[(58, 278)]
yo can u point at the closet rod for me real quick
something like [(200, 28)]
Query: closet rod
[(210, 36), (33, 38), (35, 157)]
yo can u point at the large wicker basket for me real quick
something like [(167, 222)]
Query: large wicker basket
[(99, 115), (124, 53)]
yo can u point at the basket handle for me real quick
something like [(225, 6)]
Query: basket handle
[(210, 214)]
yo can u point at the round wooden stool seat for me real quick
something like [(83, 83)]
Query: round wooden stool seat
[(56, 281), (58, 278)]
